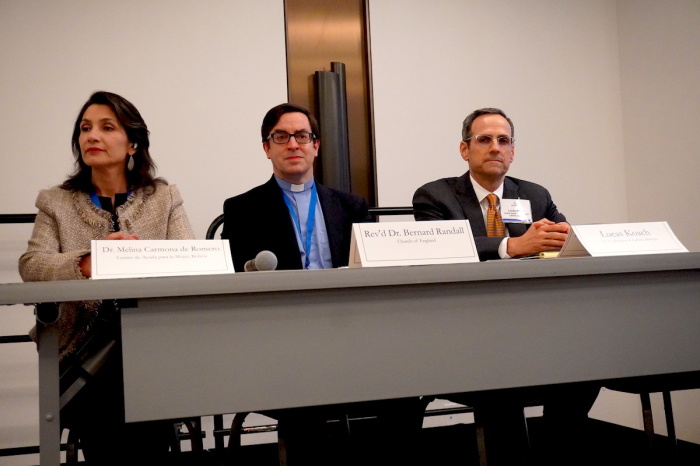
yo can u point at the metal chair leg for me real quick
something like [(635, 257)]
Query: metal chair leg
[(194, 428), (647, 418), (234, 438), (481, 444), (72, 448), (218, 426), (670, 425), (175, 438)]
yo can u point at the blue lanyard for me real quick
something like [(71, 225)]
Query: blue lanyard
[(95, 200), (310, 222)]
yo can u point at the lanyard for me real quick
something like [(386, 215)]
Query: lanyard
[(115, 217), (310, 222), (95, 200)]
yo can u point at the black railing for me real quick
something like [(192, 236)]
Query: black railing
[(374, 211), (15, 339), (17, 218), (377, 211), (18, 451)]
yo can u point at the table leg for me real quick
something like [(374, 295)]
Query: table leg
[(49, 408)]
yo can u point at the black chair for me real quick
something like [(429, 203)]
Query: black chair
[(214, 226), (236, 429), (78, 371), (644, 386)]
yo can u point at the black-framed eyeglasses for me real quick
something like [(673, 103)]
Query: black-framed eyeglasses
[(486, 140), (282, 137)]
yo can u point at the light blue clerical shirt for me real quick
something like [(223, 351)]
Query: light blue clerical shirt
[(302, 202)]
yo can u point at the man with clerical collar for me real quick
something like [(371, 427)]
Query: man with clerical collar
[(509, 217), (305, 224)]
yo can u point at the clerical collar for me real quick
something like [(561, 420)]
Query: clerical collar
[(295, 188)]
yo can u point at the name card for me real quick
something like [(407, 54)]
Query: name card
[(620, 239), (159, 258), (412, 243)]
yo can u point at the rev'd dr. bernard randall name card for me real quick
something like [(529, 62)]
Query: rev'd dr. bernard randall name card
[(412, 243), (159, 258)]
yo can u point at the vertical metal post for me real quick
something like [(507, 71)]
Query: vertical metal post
[(49, 393), (319, 32), (333, 120)]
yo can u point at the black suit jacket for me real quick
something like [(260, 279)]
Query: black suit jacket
[(259, 220), (455, 199)]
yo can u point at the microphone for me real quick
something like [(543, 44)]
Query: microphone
[(265, 260)]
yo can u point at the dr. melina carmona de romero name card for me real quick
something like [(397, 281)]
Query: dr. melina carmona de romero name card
[(159, 258)]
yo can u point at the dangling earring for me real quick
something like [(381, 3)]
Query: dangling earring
[(130, 163)]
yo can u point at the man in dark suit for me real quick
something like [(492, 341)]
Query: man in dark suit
[(307, 226), (279, 215), (488, 148)]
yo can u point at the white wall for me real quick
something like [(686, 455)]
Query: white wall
[(592, 87), (202, 73), (660, 69), (551, 65)]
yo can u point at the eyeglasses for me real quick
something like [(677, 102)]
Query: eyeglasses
[(486, 140), (282, 137)]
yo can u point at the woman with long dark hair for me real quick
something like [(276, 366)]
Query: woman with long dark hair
[(113, 194)]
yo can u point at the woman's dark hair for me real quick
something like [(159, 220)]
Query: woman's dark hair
[(143, 173)]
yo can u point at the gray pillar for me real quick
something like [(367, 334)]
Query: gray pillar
[(333, 120)]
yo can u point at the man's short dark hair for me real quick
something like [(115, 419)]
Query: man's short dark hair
[(275, 113), (467, 124)]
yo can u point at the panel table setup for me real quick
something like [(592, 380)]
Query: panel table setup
[(227, 343)]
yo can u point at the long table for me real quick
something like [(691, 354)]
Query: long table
[(202, 345)]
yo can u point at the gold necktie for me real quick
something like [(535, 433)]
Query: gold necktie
[(494, 224)]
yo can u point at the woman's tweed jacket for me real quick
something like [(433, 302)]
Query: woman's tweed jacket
[(66, 223)]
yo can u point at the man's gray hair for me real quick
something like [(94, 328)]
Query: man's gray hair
[(467, 124)]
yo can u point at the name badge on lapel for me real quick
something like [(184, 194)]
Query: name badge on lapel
[(516, 211)]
